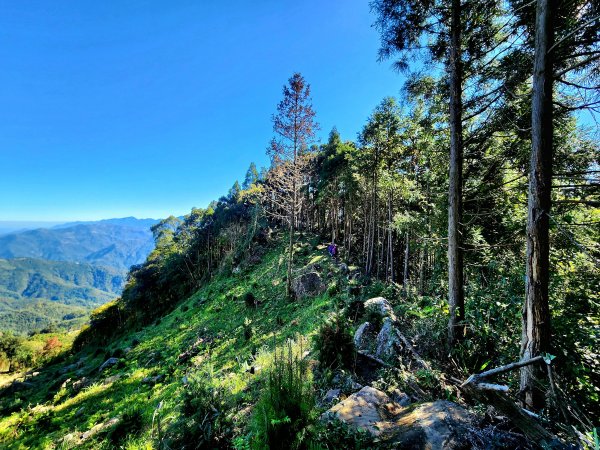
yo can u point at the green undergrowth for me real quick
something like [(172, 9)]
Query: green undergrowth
[(215, 343)]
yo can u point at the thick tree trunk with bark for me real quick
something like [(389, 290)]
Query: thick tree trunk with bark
[(456, 299), (536, 312)]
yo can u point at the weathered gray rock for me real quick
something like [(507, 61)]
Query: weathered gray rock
[(113, 378), (439, 425), (387, 340), (401, 398), (69, 368), (381, 307), (153, 380), (108, 363), (308, 285), (81, 384), (362, 336), (16, 386), (98, 428), (367, 409), (331, 395)]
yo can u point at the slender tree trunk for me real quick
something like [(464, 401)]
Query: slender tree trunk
[(406, 256), (292, 217), (422, 259), (536, 312), (456, 299), (390, 238)]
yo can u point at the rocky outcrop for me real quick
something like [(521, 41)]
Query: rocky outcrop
[(308, 285), (387, 340), (108, 363), (362, 337), (381, 343), (381, 307), (439, 425)]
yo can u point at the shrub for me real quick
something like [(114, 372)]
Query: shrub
[(205, 422), (336, 434), (130, 425), (284, 410), (373, 317), (335, 344), (355, 309), (250, 300), (118, 353), (248, 330)]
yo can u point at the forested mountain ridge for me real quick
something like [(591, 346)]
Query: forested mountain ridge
[(35, 294), (77, 265), (117, 243), (68, 283)]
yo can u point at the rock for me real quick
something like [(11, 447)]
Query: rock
[(236, 270), (308, 285), (127, 350), (108, 363), (344, 268), (355, 386), (367, 409), (81, 384), (401, 398), (331, 395), (153, 380), (98, 428), (387, 340), (381, 307), (439, 425), (16, 386), (361, 337), (80, 412), (69, 368), (113, 378)]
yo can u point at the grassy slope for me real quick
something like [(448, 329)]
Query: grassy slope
[(216, 313)]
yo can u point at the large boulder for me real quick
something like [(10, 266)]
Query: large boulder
[(387, 340), (367, 409), (363, 336), (439, 425), (380, 307), (108, 363), (308, 285)]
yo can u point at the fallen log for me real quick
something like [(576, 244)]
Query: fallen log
[(476, 386)]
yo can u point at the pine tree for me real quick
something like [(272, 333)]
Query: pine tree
[(294, 125)]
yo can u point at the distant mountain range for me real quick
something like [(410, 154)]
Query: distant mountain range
[(56, 275), (117, 243)]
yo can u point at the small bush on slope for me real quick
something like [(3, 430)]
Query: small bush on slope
[(284, 409), (204, 409), (335, 344)]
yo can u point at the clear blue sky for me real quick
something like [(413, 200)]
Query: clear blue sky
[(148, 108)]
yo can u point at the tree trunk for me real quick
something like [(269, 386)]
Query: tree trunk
[(390, 240), (456, 299), (406, 256), (536, 312)]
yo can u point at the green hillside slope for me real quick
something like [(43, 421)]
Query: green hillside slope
[(214, 333)]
